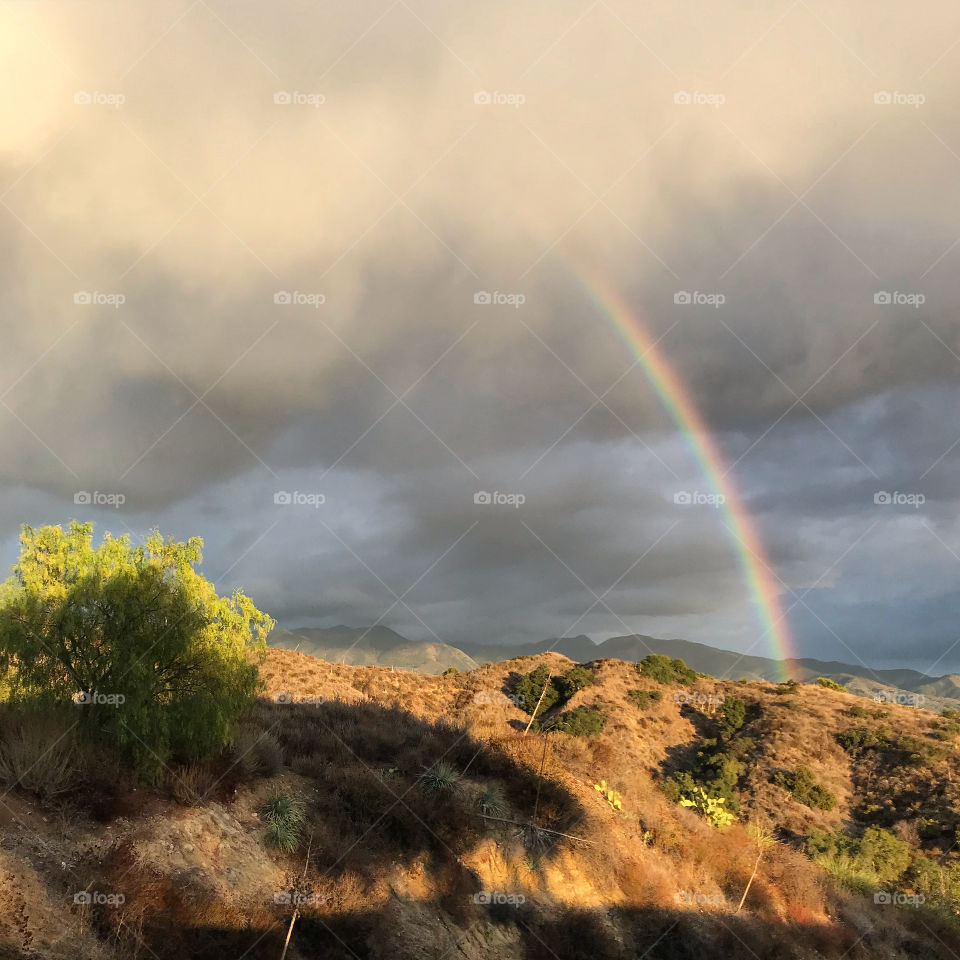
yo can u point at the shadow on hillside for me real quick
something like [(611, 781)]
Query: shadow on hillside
[(425, 930)]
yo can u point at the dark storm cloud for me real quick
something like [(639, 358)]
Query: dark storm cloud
[(800, 201)]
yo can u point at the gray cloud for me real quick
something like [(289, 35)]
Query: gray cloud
[(800, 200)]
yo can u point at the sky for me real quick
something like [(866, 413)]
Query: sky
[(304, 280)]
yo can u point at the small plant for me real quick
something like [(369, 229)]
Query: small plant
[(579, 722), (712, 809), (613, 797), (831, 684), (492, 801), (450, 672), (284, 815), (39, 756), (787, 687), (804, 788), (643, 698), (442, 777)]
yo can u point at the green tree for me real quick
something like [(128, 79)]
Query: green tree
[(734, 713), (161, 665), (528, 688)]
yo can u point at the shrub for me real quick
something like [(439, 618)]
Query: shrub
[(573, 681), (950, 714), (257, 753), (450, 672), (76, 620), (733, 714), (831, 684), (665, 670), (643, 698), (862, 738), (284, 815), (38, 754), (492, 800), (442, 777), (529, 687), (712, 809), (804, 788), (787, 687), (579, 722)]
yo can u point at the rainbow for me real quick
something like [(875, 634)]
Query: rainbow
[(676, 400)]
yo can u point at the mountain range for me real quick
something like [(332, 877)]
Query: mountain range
[(385, 647)]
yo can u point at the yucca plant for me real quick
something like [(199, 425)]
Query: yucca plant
[(284, 816), (441, 778), (492, 800)]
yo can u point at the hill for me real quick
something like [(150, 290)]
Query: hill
[(432, 827), (381, 645), (372, 645)]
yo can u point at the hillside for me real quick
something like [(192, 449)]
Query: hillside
[(434, 828), (372, 645)]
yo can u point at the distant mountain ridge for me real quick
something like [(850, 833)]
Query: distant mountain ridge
[(385, 647), (377, 645)]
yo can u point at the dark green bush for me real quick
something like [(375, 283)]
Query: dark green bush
[(733, 714), (804, 788), (528, 688), (643, 698), (579, 722), (665, 670)]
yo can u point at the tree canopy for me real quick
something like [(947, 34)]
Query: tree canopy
[(157, 663)]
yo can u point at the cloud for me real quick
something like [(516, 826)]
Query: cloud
[(382, 168)]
